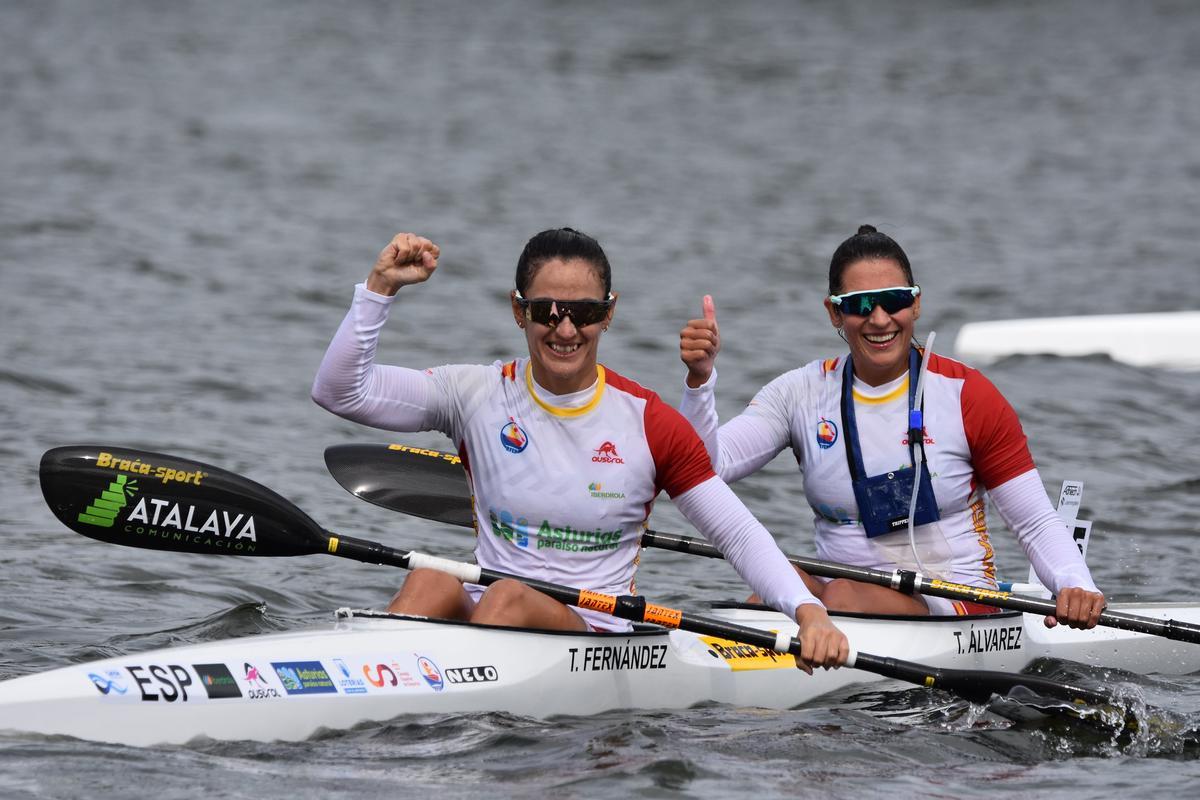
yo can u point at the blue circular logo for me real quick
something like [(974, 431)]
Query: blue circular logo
[(513, 438), (827, 433), (430, 672)]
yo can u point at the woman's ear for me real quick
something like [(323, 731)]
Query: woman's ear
[(608, 318), (835, 315), (518, 312)]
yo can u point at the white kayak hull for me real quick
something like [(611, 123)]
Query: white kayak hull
[(372, 667), (1145, 340)]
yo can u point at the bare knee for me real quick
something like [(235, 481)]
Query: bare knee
[(512, 603), (428, 579), (430, 593), (846, 595), (841, 594), (501, 595)]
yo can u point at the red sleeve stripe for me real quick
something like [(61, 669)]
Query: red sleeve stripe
[(680, 460), (999, 448)]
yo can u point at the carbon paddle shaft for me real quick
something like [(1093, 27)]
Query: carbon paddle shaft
[(912, 582), (431, 484), (977, 686), (366, 551)]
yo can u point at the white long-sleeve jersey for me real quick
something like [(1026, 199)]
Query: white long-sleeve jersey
[(562, 484), (973, 442)]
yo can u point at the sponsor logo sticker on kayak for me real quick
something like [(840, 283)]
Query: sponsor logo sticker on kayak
[(146, 683), (304, 677), (109, 682), (350, 683), (254, 677), (484, 674), (430, 672), (258, 685), (746, 657), (380, 675), (217, 680), (389, 676)]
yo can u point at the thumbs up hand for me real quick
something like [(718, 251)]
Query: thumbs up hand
[(699, 343)]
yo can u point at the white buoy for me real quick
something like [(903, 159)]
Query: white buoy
[(1169, 339)]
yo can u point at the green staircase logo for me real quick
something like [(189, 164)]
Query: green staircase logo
[(103, 511)]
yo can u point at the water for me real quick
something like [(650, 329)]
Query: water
[(190, 190)]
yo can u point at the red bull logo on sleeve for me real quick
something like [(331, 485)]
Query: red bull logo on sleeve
[(827, 433), (513, 437)]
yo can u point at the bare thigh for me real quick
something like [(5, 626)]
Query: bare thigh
[(867, 598), (513, 604), (430, 593), (843, 594)]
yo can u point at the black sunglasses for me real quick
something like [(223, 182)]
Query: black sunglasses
[(547, 311)]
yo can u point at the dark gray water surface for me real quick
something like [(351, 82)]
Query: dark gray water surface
[(189, 191)]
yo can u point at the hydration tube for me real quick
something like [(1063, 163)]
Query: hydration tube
[(916, 426)]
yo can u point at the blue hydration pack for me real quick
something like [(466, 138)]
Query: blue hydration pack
[(883, 500)]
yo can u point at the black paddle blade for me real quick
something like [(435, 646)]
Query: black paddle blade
[(979, 685), (1015, 693), (424, 483), (140, 499), (1023, 704)]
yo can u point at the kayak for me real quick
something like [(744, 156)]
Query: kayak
[(1162, 339), (372, 666)]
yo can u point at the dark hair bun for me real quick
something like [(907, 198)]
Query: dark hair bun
[(868, 243)]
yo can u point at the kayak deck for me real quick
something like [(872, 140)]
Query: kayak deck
[(371, 666)]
